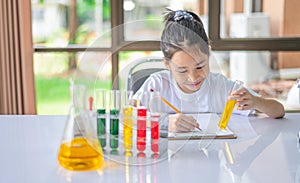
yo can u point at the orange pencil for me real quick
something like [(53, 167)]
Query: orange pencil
[(176, 110), (170, 105)]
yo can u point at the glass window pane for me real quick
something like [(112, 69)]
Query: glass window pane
[(53, 72), (256, 66), (271, 74), (60, 23), (143, 18), (259, 19)]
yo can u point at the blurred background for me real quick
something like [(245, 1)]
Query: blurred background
[(69, 34)]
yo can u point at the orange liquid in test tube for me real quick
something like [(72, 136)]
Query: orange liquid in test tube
[(229, 106)]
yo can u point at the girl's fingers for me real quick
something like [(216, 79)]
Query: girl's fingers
[(242, 102), (244, 107), (182, 128), (240, 91), (173, 122), (190, 120), (181, 123)]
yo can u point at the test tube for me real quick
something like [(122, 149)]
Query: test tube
[(141, 128), (298, 84), (155, 133), (229, 106), (155, 106), (101, 117), (143, 101), (114, 118), (127, 120)]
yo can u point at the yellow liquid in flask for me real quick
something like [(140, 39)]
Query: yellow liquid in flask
[(79, 155)]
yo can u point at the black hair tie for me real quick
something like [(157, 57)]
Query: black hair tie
[(180, 14)]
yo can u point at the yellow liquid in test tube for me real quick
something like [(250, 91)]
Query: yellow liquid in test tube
[(229, 106), (80, 155), (128, 122), (227, 113)]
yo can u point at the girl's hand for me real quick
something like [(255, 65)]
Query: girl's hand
[(181, 123), (245, 100)]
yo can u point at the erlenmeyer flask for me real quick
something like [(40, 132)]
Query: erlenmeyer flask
[(80, 149)]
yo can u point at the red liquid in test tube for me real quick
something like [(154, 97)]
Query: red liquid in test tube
[(154, 132), (141, 128), (154, 146)]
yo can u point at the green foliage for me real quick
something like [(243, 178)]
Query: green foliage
[(81, 35), (55, 89), (49, 64), (85, 10), (53, 94), (106, 10), (154, 22), (85, 14), (124, 55)]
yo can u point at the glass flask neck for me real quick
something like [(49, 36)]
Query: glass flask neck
[(78, 96)]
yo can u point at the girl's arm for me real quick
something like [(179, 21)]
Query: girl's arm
[(247, 101), (270, 107)]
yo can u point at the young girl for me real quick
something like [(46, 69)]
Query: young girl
[(188, 84)]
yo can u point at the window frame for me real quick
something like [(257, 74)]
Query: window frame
[(259, 44), (118, 42), (217, 43)]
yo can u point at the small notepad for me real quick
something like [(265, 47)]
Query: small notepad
[(209, 123)]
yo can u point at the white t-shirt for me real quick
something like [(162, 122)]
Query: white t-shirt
[(211, 97)]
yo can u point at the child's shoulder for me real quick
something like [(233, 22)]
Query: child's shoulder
[(164, 74), (160, 78), (220, 82)]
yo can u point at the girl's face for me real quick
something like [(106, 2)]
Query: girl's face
[(188, 72)]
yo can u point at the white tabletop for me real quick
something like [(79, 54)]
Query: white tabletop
[(266, 150)]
